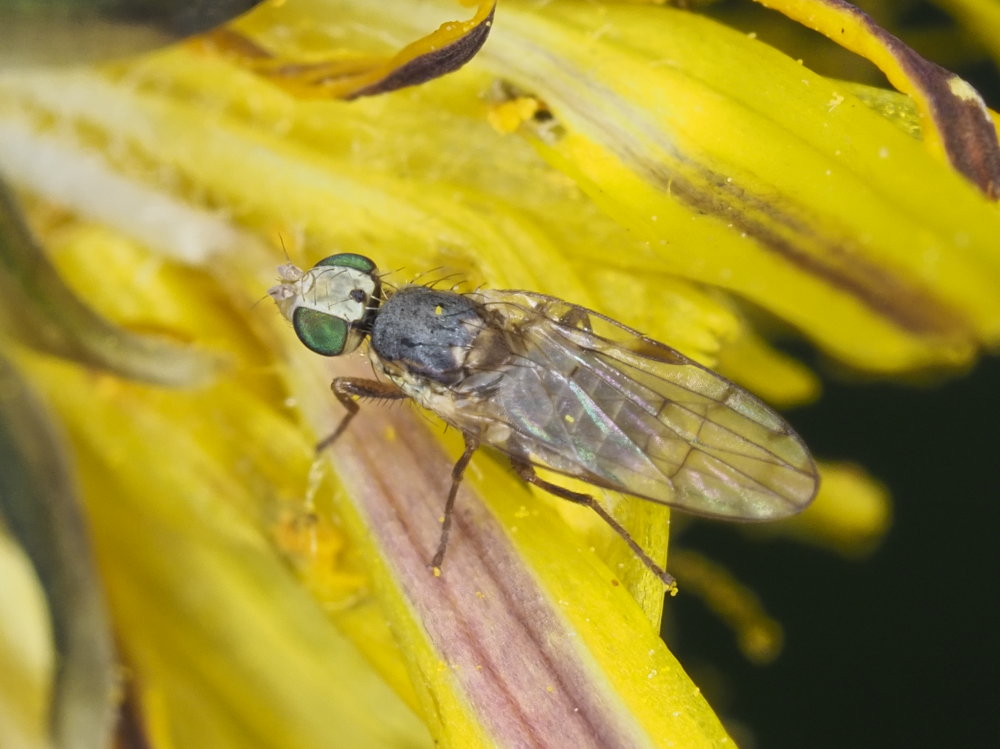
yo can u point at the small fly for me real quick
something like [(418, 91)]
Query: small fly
[(556, 386)]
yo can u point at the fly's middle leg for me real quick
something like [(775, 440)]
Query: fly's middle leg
[(471, 445), (527, 472), (347, 389)]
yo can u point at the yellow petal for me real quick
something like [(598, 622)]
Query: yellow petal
[(744, 170), (225, 645), (25, 652), (630, 688)]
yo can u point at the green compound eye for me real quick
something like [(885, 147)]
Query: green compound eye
[(321, 332), (349, 260)]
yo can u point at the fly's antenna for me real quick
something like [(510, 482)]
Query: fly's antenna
[(296, 240), (284, 250), (261, 299)]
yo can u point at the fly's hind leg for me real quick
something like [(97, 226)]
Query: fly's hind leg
[(471, 445), (347, 389), (527, 472)]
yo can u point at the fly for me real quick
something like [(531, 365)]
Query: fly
[(556, 386)]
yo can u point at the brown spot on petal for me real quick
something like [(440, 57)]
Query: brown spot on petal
[(434, 64), (958, 113), (838, 262), (961, 119), (440, 52)]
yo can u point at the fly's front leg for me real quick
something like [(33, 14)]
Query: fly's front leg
[(527, 472), (347, 389), (471, 445)]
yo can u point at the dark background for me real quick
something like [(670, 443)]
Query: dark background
[(901, 648)]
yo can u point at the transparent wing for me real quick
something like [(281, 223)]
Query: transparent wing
[(588, 397)]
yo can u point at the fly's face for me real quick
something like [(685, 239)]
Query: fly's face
[(331, 306)]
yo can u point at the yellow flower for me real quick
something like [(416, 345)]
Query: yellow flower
[(644, 161)]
